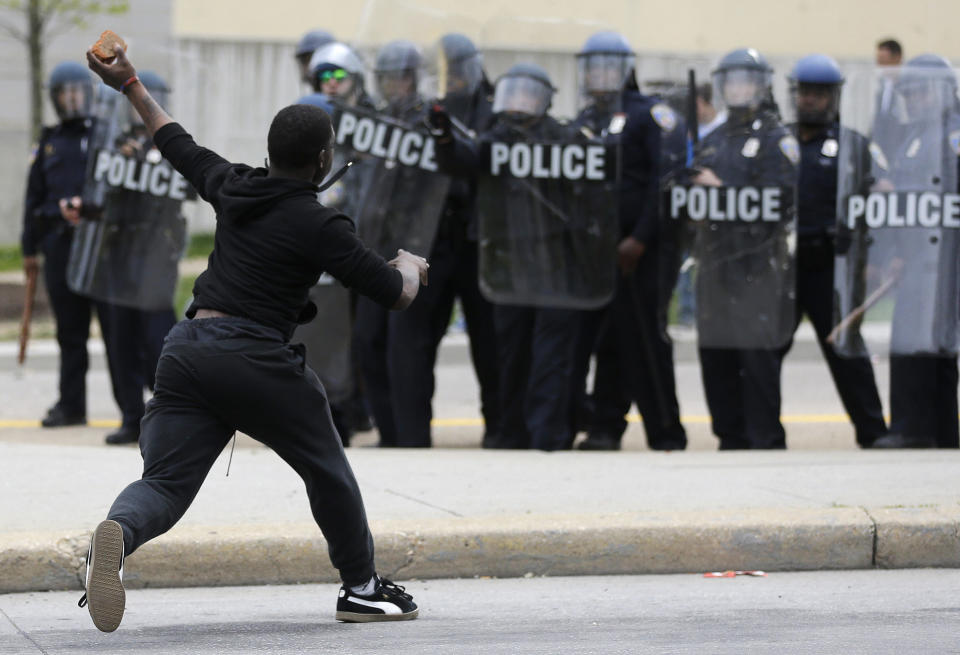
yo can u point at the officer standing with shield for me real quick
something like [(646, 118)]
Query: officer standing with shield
[(634, 353), (547, 229), (465, 96), (815, 86), (338, 72), (741, 204), (921, 256), (139, 239), (400, 209)]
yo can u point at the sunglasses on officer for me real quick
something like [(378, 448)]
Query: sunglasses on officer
[(336, 74)]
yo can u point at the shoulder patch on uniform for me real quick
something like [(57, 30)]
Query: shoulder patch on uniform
[(790, 148), (876, 152), (33, 154), (955, 141), (663, 116)]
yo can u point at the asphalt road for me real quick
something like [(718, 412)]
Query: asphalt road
[(872, 612)]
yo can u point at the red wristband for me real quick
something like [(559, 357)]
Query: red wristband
[(123, 87)]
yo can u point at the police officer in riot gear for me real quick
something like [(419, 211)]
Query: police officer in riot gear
[(744, 301), (135, 336), (634, 353), (534, 344), (57, 173), (306, 46), (397, 75), (925, 156), (815, 85), (54, 186), (453, 264)]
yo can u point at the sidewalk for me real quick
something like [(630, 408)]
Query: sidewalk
[(463, 512)]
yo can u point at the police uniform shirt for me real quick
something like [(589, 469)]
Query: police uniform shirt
[(58, 171)]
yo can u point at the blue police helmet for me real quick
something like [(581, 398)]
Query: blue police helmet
[(527, 69), (457, 46), (153, 81), (71, 90), (816, 69), (745, 58), (69, 71), (929, 65), (316, 100), (606, 43), (312, 40)]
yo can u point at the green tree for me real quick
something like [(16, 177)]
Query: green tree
[(36, 22)]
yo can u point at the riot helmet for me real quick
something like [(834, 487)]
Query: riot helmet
[(336, 70), (306, 46), (605, 65), (742, 80), (523, 94), (397, 72), (71, 90), (815, 84), (928, 85), (459, 66)]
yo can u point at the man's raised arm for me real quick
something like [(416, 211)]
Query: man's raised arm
[(122, 76)]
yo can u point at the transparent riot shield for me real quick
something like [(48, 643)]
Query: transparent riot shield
[(897, 272), (403, 193), (132, 235), (328, 338), (731, 207), (548, 219)]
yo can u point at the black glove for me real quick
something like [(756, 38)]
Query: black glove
[(439, 121)]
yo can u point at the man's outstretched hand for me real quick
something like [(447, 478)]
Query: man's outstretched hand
[(113, 74)]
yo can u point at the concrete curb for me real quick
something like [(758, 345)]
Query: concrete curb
[(635, 543)]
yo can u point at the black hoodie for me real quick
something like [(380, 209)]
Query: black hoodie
[(272, 242)]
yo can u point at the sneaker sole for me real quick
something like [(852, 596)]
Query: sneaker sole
[(355, 617), (106, 598)]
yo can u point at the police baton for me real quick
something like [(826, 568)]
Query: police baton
[(29, 296), (872, 299)]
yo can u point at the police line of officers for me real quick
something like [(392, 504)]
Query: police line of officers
[(530, 352)]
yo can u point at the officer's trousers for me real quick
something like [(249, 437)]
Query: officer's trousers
[(923, 398), (635, 360), (742, 388), (535, 348), (219, 375), (133, 340), (415, 335), (852, 376), (371, 340)]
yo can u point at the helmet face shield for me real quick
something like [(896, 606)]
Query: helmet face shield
[(927, 93), (741, 88), (395, 86), (72, 99), (603, 73), (522, 95), (458, 76)]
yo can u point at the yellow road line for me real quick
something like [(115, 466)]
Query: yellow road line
[(478, 422)]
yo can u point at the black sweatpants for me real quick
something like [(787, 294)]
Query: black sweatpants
[(219, 375)]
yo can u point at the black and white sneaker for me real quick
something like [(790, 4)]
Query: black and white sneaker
[(105, 597), (388, 602)]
